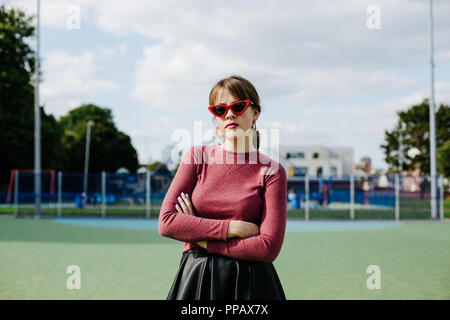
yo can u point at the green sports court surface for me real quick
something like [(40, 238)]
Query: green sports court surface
[(128, 259)]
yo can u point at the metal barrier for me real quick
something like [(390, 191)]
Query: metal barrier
[(390, 196), (121, 195), (141, 195)]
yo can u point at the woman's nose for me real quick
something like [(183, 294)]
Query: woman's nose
[(230, 114)]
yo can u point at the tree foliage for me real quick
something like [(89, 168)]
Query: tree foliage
[(110, 148), (415, 134), (16, 92), (443, 155)]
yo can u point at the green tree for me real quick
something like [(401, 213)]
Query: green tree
[(16, 92), (415, 134), (17, 74), (158, 167), (52, 151), (443, 155), (110, 148)]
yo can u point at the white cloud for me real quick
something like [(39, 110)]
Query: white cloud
[(68, 79), (293, 50), (284, 32), (105, 52), (122, 48), (387, 109), (173, 76), (296, 53), (57, 13)]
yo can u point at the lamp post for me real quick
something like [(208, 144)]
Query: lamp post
[(400, 149), (432, 125), (37, 126), (400, 153), (86, 160)]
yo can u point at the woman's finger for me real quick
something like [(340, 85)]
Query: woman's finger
[(178, 208), (183, 205), (188, 203)]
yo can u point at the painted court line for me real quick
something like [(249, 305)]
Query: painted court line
[(293, 225)]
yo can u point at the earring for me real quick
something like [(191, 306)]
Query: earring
[(217, 135), (255, 136)]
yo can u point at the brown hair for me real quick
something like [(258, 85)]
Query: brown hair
[(240, 88)]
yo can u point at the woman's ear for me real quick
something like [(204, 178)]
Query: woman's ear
[(255, 115)]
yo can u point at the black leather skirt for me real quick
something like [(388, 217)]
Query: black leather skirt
[(206, 276)]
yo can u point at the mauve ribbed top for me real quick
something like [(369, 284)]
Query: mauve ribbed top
[(225, 185)]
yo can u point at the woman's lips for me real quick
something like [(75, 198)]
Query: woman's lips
[(232, 126)]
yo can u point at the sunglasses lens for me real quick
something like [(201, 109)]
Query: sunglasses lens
[(219, 110), (239, 107)]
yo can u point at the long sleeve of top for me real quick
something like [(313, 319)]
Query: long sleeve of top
[(223, 186), (186, 227)]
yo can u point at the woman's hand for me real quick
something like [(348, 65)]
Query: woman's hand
[(242, 229), (203, 244), (185, 205)]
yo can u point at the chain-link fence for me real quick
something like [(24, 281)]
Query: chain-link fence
[(389, 196), (140, 195), (92, 195)]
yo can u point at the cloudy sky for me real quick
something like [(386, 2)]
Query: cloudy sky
[(329, 73)]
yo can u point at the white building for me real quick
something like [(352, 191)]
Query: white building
[(316, 161)]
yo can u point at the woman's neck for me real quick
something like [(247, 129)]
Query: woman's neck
[(238, 146)]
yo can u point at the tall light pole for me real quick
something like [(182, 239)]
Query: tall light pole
[(432, 125), (86, 159), (37, 126), (400, 158), (400, 148)]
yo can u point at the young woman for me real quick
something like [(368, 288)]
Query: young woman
[(227, 202)]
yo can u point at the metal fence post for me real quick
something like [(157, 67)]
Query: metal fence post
[(352, 196), (441, 194), (148, 175), (103, 194), (307, 197), (16, 194), (397, 197), (59, 193)]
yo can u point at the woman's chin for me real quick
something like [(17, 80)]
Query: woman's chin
[(231, 137)]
